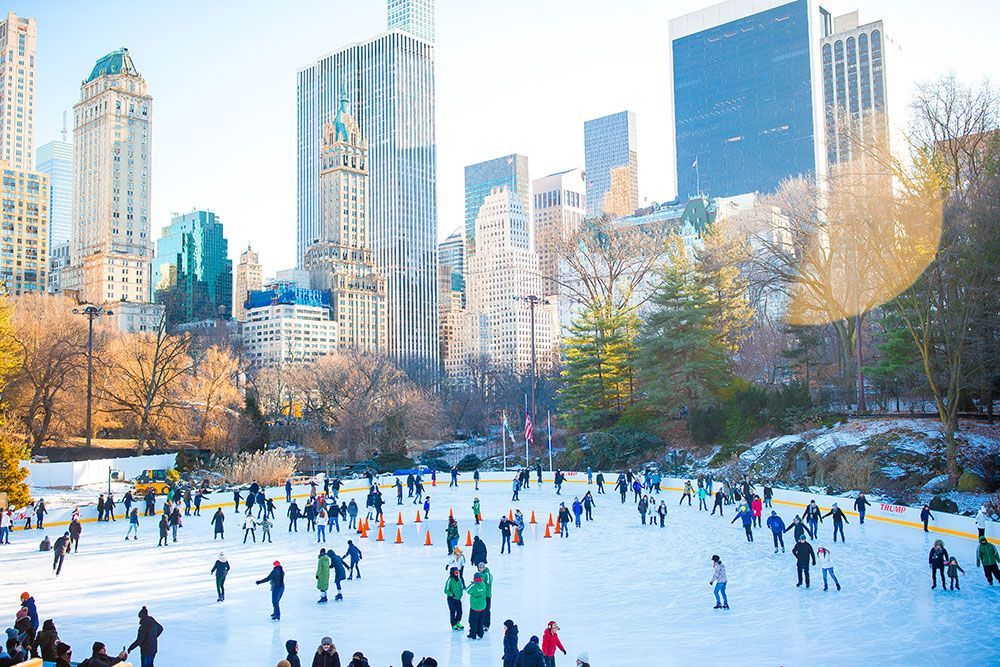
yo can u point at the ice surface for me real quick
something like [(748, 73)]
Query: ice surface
[(628, 594)]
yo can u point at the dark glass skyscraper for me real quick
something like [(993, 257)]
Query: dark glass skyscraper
[(192, 272), (510, 172), (746, 111)]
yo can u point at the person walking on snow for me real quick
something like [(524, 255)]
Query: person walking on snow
[(453, 590), (925, 516), (353, 559), (550, 642), (218, 519), (276, 579), (937, 559), (777, 527), (747, 516), (220, 569), (860, 506), (803, 553), (720, 580), (987, 556), (953, 569), (826, 564)]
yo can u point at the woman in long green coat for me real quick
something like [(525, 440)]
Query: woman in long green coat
[(322, 574)]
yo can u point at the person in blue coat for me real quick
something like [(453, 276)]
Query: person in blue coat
[(860, 505), (531, 654), (145, 639), (577, 511), (478, 551), (509, 644), (353, 559), (339, 572), (747, 516), (777, 527), (277, 581), (288, 490)]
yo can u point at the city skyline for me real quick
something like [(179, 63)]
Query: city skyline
[(547, 128)]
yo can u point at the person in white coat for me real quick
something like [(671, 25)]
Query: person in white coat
[(720, 581), (981, 520), (825, 561), (457, 561)]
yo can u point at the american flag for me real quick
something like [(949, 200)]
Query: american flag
[(529, 435)]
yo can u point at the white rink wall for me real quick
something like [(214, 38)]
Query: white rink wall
[(79, 473)]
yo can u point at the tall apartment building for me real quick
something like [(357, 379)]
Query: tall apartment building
[(111, 250), (286, 324), (58, 262), (413, 16), (747, 102), (249, 278), (17, 90), (504, 268), (560, 205), (390, 85), (342, 262), (24, 231), (55, 159), (451, 252), (611, 165), (854, 86), (481, 179), (451, 320), (192, 272)]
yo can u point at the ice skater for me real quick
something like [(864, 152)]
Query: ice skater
[(504, 534), (276, 579), (622, 486), (322, 575), (453, 590), (661, 511), (249, 529), (133, 524), (477, 606), (702, 494), (478, 551), (719, 580), (164, 527), (778, 529), (746, 515), (427, 507), (797, 527), (803, 553), (643, 507), (981, 517), (687, 493), (145, 638), (353, 559), (551, 642), (720, 498), (826, 564), (220, 569), (476, 510), (860, 506), (451, 534), (59, 551), (600, 482), (457, 562), (925, 516), (953, 569), (987, 557), (839, 519), (293, 516), (937, 559), (757, 508), (588, 506), (265, 529), (563, 520), (813, 518), (218, 522)]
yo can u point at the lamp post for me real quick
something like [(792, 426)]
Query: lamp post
[(532, 301), (90, 312)]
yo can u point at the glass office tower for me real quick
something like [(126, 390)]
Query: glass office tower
[(747, 98), (192, 272), (609, 147), (56, 159), (510, 172)]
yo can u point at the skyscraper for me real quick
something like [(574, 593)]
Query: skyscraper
[(481, 179), (192, 272), (747, 104), (111, 249), (342, 263), (24, 231), (498, 328), (389, 81), (451, 252), (249, 278), (854, 90), (413, 16), (560, 207), (611, 165), (55, 159), (17, 90)]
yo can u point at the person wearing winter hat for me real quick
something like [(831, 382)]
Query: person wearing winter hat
[(987, 557), (28, 603), (477, 606), (284, 663), (276, 579), (64, 655), (720, 580), (292, 647), (453, 591), (509, 644), (326, 654), (531, 655), (406, 659), (583, 660), (551, 642), (99, 657), (145, 639)]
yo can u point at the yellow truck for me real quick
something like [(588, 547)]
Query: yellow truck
[(152, 479)]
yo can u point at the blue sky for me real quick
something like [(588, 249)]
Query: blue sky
[(513, 76)]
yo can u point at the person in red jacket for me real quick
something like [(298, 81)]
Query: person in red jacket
[(550, 642), (757, 507)]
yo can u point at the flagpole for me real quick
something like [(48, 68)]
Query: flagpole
[(527, 461), (503, 433), (549, 420)]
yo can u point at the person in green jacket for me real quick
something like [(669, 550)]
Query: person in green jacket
[(475, 510), (452, 534), (322, 574), (487, 576), (986, 555), (477, 606), (453, 590)]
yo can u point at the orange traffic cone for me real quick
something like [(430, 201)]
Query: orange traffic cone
[(380, 538), (532, 517), (427, 542), (399, 536), (548, 531), (468, 539), (364, 531), (517, 539), (418, 516), (510, 515), (399, 521), (451, 514), (550, 520), (558, 527), (381, 521)]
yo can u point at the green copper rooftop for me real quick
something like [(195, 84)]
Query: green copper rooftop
[(116, 62)]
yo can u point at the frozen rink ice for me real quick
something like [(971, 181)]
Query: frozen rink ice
[(626, 593)]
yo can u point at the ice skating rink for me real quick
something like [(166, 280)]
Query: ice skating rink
[(626, 593)]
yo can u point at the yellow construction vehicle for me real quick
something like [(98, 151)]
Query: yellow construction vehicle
[(152, 479)]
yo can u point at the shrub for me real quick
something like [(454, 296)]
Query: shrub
[(270, 467), (852, 469), (618, 446), (727, 454), (393, 460), (469, 463), (971, 482), (185, 461), (436, 463)]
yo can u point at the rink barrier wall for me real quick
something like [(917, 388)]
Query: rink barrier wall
[(900, 515), (70, 474)]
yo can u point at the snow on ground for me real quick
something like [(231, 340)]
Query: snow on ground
[(80, 496), (628, 594)]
